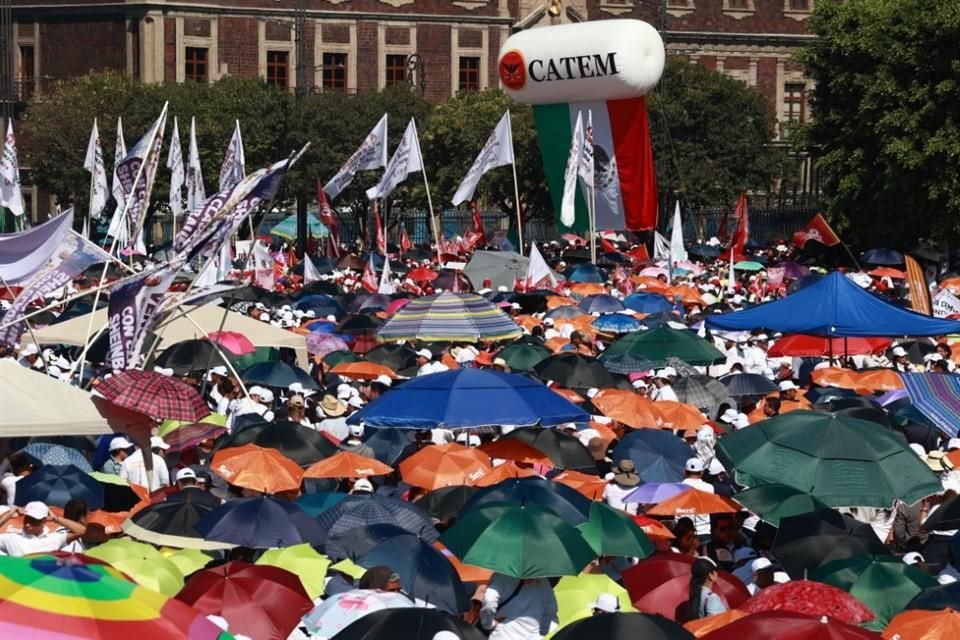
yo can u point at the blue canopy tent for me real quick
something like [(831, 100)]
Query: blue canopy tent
[(287, 229), (834, 306)]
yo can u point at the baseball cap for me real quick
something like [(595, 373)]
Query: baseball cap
[(363, 485), (120, 443), (760, 564), (912, 558), (788, 385), (694, 465), (266, 395), (425, 353), (356, 430), (30, 350), (36, 510), (295, 401), (899, 352), (606, 602), (186, 474), (953, 443), (729, 416), (384, 379), (156, 442), (219, 370), (918, 449)]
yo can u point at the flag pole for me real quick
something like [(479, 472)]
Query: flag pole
[(591, 212), (516, 199), (426, 184)]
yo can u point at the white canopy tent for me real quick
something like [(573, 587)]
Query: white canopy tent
[(34, 404)]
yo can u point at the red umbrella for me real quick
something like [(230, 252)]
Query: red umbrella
[(783, 625), (813, 346), (422, 274), (811, 599), (234, 342), (661, 584), (155, 395), (261, 601), (396, 305)]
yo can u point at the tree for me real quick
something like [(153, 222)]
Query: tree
[(711, 137), (886, 123)]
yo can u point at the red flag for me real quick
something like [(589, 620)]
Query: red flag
[(817, 229), (369, 279), (381, 235), (477, 223), (405, 244), (639, 254), (329, 220), (607, 246), (742, 233)]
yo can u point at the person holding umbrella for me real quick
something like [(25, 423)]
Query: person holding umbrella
[(515, 609), (703, 601), (34, 538)]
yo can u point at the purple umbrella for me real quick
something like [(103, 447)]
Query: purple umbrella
[(601, 303), (793, 270), (892, 396), (320, 344), (654, 492)]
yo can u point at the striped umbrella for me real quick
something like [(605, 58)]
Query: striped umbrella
[(448, 316), (61, 599)]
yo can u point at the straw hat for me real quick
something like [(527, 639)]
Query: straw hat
[(625, 473), (332, 407)]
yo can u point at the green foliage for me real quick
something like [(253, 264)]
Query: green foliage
[(711, 136), (886, 123)]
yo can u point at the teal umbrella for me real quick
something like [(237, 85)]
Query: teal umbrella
[(748, 265), (288, 228), (666, 342), (524, 357), (775, 501), (611, 532)]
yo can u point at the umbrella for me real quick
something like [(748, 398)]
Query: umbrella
[(60, 598), (653, 528), (44, 453), (118, 494), (748, 265), (446, 502), (338, 612), (468, 398), (576, 595), (424, 572), (262, 354), (494, 269), (664, 342), (564, 450), (600, 303), (321, 305), (661, 584), (448, 316), (410, 623), (629, 408), (648, 303), (142, 563), (322, 264), (747, 384), (887, 257), (508, 471), (704, 250), (616, 323), (57, 485), (806, 541), (655, 492), (585, 272), (678, 415), (362, 370), (611, 532), (391, 445), (362, 323), (170, 524), (261, 523), (936, 598), (354, 543), (233, 341), (552, 496), (700, 391), (575, 371), (702, 626), (884, 583), (693, 502), (288, 228), (374, 302), (625, 363), (842, 461), (154, 394), (786, 625), (334, 358), (523, 357), (800, 346), (257, 468), (565, 312), (346, 464), (924, 625), (317, 503), (304, 562), (658, 456), (263, 601), (422, 274), (295, 441), (775, 501), (320, 344), (810, 599), (359, 511), (445, 465), (279, 375), (945, 518), (624, 626), (193, 355), (392, 356), (519, 541), (190, 435)]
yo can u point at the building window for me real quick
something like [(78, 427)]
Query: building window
[(799, 5), (678, 3), (469, 73), (335, 71), (26, 79), (794, 109), (396, 69), (742, 5), (195, 64), (278, 69)]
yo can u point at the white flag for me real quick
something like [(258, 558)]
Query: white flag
[(371, 154), (586, 157), (224, 261), (177, 175), (117, 228), (263, 274), (497, 152), (677, 250), (137, 173), (568, 204), (386, 279), (731, 277), (661, 247), (537, 269), (405, 160), (10, 196), (233, 168), (196, 194), (310, 273), (98, 174)]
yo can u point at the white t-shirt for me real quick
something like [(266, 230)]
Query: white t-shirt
[(21, 544), (9, 484), (613, 495)]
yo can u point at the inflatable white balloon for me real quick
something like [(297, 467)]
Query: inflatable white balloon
[(602, 60)]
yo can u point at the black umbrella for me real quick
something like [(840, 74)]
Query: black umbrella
[(301, 444), (393, 356), (887, 257), (321, 263), (261, 523), (945, 518), (321, 286), (564, 450), (354, 543), (57, 484), (447, 502), (936, 598), (118, 497), (171, 524), (278, 374), (806, 541), (624, 626), (391, 445), (192, 355), (741, 385), (575, 371), (567, 503), (358, 323), (413, 623), (361, 511), (844, 404)]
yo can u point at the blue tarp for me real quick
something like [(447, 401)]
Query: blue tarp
[(834, 306)]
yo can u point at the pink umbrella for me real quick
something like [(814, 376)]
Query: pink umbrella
[(236, 343), (654, 272), (320, 344), (686, 265), (396, 305)]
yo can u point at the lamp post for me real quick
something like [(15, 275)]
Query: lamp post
[(300, 45)]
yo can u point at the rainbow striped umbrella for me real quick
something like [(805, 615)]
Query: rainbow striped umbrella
[(60, 599), (448, 316)]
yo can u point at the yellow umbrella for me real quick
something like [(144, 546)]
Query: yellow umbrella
[(304, 562), (143, 563), (187, 560), (576, 595), (168, 426)]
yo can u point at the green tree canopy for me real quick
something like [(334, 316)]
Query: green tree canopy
[(886, 122)]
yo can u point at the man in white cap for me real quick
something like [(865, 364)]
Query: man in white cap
[(427, 364), (34, 538), (135, 471), (762, 570), (30, 356), (693, 476), (663, 391), (188, 490), (119, 450), (899, 359), (354, 442), (755, 356), (256, 402), (605, 603)]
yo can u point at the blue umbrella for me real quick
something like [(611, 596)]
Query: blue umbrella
[(654, 492), (625, 363), (278, 374), (355, 543), (567, 503), (648, 303), (585, 272), (616, 323), (424, 572), (747, 384), (45, 453), (468, 398), (658, 455), (883, 256), (322, 326), (320, 304), (317, 503), (261, 523), (58, 485), (363, 511), (565, 312), (391, 445), (600, 303), (704, 250)]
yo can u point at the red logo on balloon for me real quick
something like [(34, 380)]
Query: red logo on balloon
[(513, 70)]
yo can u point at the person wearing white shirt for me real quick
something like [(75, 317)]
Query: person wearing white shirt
[(693, 476), (134, 471), (755, 356), (625, 479), (518, 609), (20, 468), (663, 391), (34, 538)]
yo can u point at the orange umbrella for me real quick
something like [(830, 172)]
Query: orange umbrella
[(693, 502), (678, 415), (688, 295), (879, 380), (653, 528), (505, 471), (834, 377), (585, 289), (347, 464), (954, 458), (604, 432), (527, 322), (629, 408), (650, 283), (362, 370), (445, 465), (257, 468), (512, 449), (556, 344), (590, 486), (703, 626), (952, 285), (569, 394), (888, 272), (560, 301), (110, 521), (917, 624), (467, 572)]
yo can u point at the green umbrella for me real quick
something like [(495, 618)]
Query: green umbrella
[(521, 541), (334, 358), (261, 354), (613, 533), (775, 501), (840, 460), (665, 342), (884, 583), (523, 357), (749, 265)]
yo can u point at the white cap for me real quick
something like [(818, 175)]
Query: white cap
[(344, 391), (186, 474), (356, 430), (264, 317), (363, 485), (953, 443), (219, 370), (742, 421), (729, 416), (716, 467), (164, 371), (670, 371), (120, 443), (606, 602), (781, 577), (384, 379), (355, 402), (899, 352), (761, 337), (788, 385), (36, 510), (694, 465), (918, 449), (425, 353), (705, 433), (760, 564), (661, 373), (30, 350), (445, 635), (266, 395), (912, 558), (156, 442), (256, 390), (639, 384)]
